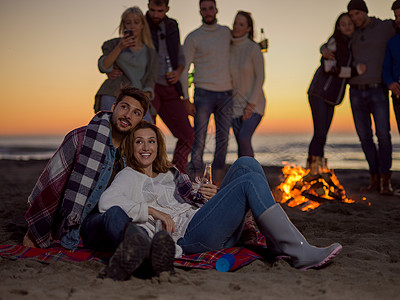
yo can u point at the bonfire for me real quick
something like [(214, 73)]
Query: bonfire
[(309, 188)]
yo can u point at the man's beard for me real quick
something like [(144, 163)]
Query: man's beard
[(117, 129), (213, 21)]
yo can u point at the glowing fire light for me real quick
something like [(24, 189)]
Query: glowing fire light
[(305, 190)]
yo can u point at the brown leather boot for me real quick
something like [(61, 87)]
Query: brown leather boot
[(374, 184), (386, 186)]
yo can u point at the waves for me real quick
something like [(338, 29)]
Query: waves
[(343, 151)]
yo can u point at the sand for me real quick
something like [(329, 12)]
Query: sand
[(367, 268)]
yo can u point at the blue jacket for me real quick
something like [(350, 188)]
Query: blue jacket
[(391, 64)]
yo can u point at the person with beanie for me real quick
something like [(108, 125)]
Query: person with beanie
[(368, 95)]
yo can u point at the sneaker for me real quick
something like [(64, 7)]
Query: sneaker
[(128, 256), (162, 253)]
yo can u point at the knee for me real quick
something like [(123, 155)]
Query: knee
[(247, 161), (114, 213)]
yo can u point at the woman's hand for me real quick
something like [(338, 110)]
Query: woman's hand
[(208, 190), (248, 111), (168, 223), (126, 41)]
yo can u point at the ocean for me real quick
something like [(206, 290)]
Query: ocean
[(343, 151)]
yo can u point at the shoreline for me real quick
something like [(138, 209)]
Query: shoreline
[(368, 267)]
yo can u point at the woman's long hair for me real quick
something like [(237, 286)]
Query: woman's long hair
[(250, 22), (342, 47), (160, 164), (146, 35)]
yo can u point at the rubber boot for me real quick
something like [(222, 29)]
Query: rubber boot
[(386, 185), (284, 239)]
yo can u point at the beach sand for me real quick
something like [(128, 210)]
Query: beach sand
[(367, 268)]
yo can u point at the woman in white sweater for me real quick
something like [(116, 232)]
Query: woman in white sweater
[(247, 70), (201, 219)]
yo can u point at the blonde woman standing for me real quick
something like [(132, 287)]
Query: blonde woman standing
[(133, 53)]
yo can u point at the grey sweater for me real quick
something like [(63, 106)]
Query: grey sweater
[(369, 46)]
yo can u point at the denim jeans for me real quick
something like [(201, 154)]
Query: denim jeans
[(219, 223), (206, 103), (103, 232), (375, 102), (396, 108), (243, 131), (107, 102), (322, 114)]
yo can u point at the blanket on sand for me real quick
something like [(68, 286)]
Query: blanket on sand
[(205, 260)]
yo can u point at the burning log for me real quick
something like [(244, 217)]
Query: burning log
[(309, 188)]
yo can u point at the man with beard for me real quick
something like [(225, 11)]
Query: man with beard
[(168, 89), (207, 47), (368, 95), (63, 203), (67, 192)]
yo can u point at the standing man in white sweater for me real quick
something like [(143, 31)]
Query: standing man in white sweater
[(207, 47)]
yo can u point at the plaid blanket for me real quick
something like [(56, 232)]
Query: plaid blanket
[(68, 178), (205, 260)]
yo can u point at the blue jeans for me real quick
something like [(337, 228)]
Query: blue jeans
[(103, 232), (107, 102), (206, 103), (243, 131), (375, 102), (219, 223), (322, 114)]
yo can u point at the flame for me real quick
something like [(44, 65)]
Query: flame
[(299, 186)]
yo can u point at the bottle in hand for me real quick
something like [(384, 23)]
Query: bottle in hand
[(207, 176)]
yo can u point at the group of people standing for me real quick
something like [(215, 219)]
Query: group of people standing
[(110, 185), (228, 79), (363, 52)]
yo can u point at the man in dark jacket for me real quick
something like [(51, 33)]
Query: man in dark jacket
[(168, 90)]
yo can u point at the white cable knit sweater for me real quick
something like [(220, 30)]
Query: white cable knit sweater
[(247, 71), (207, 48)]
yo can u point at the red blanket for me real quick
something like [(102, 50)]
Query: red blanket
[(206, 260)]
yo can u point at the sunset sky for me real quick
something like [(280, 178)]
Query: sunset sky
[(50, 48)]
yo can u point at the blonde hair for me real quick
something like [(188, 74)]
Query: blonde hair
[(145, 35), (160, 164)]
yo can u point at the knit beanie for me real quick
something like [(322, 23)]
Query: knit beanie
[(357, 4), (396, 5)]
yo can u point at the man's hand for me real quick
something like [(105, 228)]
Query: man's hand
[(173, 77), (328, 54), (115, 73), (395, 88), (190, 108), (168, 223)]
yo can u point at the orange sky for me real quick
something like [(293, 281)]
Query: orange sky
[(48, 58)]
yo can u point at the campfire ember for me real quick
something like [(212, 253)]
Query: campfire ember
[(307, 188)]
